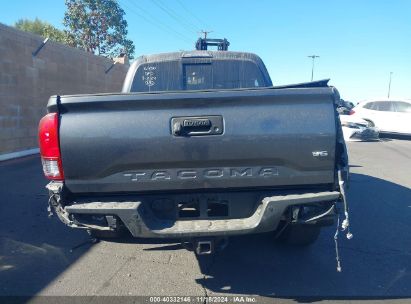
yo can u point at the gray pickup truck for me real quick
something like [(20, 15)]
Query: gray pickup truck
[(199, 146)]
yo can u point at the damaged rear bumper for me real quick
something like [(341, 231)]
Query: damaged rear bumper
[(142, 223)]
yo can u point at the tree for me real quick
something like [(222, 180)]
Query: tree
[(41, 28), (98, 26)]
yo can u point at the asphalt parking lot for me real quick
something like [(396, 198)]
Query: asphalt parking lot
[(35, 256)]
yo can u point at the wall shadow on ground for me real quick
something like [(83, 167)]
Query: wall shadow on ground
[(34, 249)]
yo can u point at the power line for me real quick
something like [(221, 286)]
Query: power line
[(175, 16), (201, 22), (154, 21)]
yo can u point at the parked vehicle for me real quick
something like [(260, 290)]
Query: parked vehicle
[(357, 129), (198, 146), (389, 116)]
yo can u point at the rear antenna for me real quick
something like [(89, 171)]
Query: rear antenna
[(205, 33)]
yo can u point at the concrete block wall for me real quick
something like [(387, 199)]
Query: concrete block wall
[(27, 82)]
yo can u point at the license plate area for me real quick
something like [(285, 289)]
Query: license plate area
[(204, 209), (203, 206)]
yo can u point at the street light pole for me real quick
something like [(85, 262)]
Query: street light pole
[(312, 68), (389, 86)]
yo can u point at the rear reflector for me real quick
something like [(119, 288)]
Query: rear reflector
[(50, 148), (50, 167)]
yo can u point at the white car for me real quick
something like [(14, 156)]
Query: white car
[(357, 129), (389, 116)]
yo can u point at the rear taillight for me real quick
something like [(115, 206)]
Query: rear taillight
[(50, 148), (351, 112)]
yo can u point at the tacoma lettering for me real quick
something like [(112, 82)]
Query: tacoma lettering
[(238, 172), (208, 173)]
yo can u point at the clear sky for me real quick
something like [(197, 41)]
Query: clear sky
[(359, 42)]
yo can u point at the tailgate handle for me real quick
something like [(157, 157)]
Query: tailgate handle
[(197, 126)]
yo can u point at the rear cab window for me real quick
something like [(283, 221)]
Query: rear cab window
[(199, 74)]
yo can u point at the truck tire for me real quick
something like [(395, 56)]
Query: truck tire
[(299, 235)]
